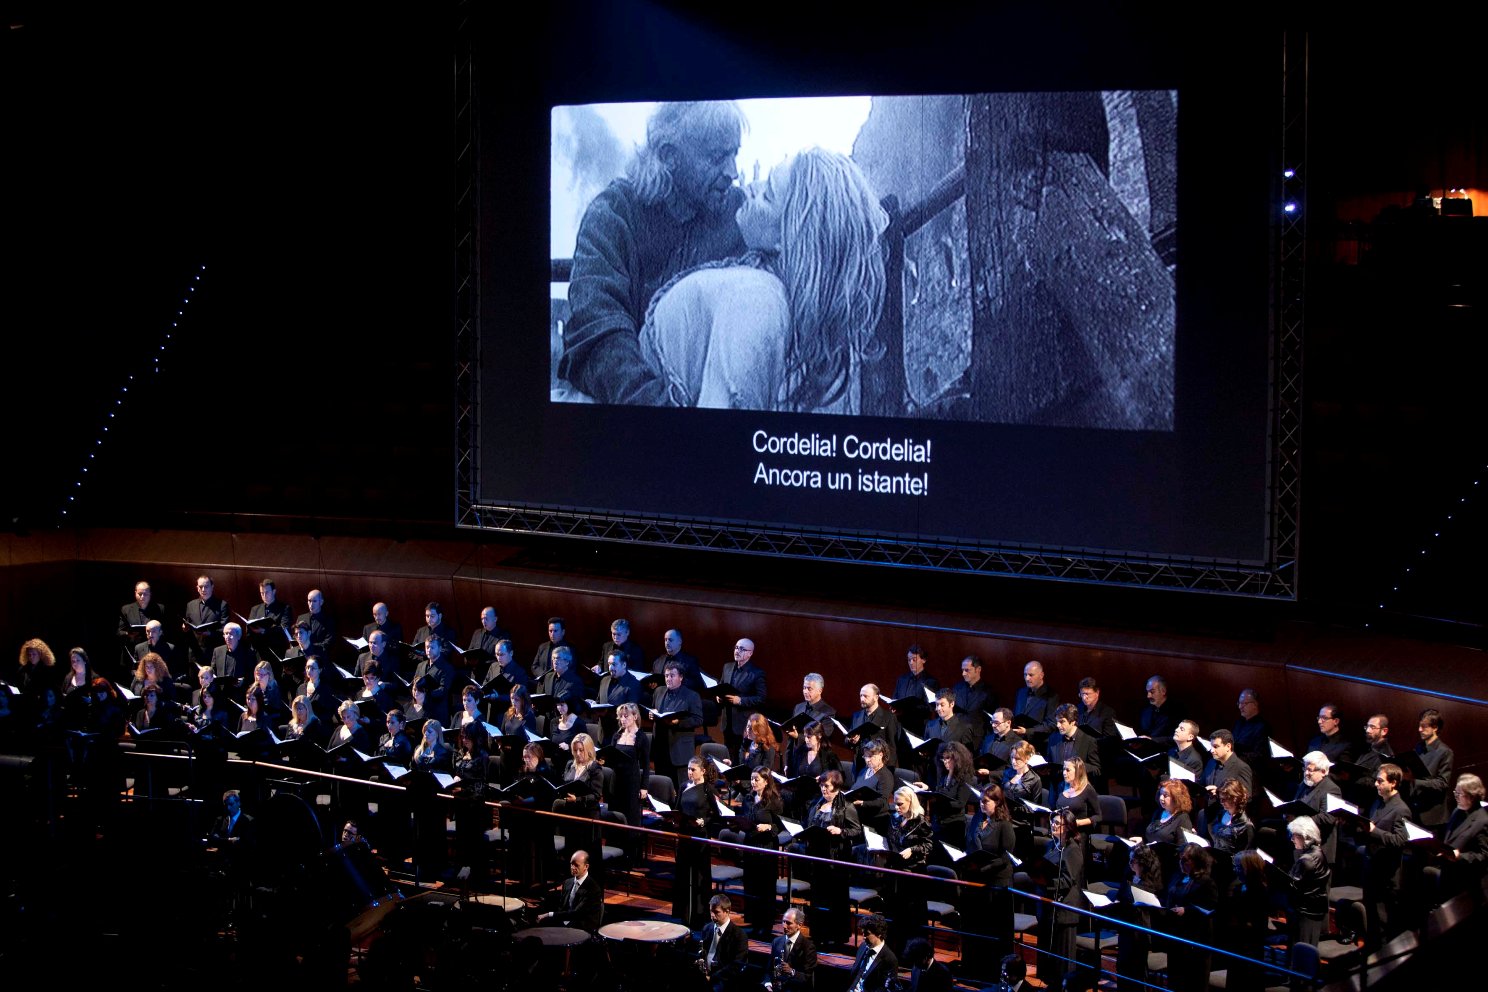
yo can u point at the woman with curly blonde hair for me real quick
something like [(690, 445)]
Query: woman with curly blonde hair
[(37, 667)]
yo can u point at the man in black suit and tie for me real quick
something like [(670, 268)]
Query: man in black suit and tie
[(580, 901), (724, 946), (745, 696), (1224, 765), (232, 838), (875, 963), (792, 957), (674, 740), (233, 828)]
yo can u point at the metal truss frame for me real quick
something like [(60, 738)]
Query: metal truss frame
[(467, 263), (1275, 579)]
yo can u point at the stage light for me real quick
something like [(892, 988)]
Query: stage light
[(1289, 174), (1290, 207)]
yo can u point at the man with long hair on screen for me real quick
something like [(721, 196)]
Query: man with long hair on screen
[(674, 210)]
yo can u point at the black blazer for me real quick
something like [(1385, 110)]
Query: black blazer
[(1468, 833), (678, 738), (885, 966), (936, 978), (802, 960), (587, 910), (1061, 749), (956, 730), (733, 949), (749, 686)]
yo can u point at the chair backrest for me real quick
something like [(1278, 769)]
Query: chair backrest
[(662, 788), (595, 734), (1113, 811), (608, 787), (714, 750), (1305, 959), (905, 775)]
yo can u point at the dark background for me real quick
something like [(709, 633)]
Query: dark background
[(306, 158)]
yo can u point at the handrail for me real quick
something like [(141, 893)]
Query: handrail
[(924, 880)]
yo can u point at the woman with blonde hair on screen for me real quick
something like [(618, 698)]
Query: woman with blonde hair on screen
[(786, 326)]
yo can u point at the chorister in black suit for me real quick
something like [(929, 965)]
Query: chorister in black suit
[(441, 676), (1068, 741), (1467, 834), (133, 617), (1431, 797), (1383, 847), (209, 613), (745, 680), (675, 743), (956, 730), (1037, 706), (278, 614), (234, 663)]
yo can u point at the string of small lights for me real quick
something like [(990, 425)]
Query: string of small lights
[(76, 489), (1436, 533)]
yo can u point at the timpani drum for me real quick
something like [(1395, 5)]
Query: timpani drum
[(634, 945)]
